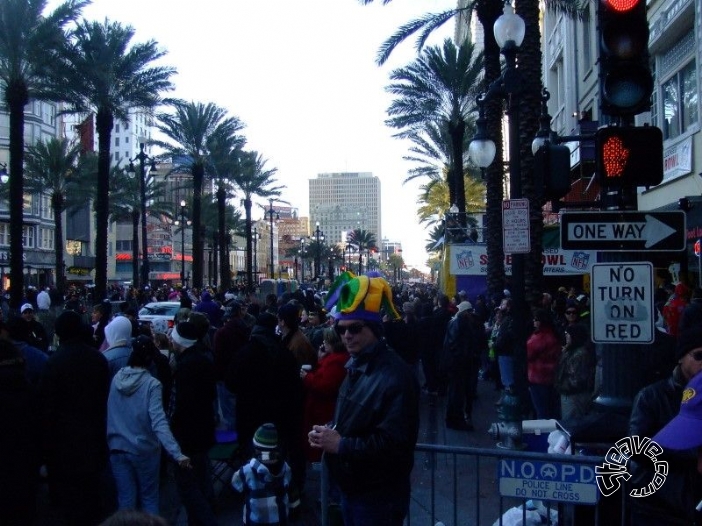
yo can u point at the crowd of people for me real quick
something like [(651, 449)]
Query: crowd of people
[(93, 397)]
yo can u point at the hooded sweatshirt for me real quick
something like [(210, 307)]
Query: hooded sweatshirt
[(118, 335), (136, 422)]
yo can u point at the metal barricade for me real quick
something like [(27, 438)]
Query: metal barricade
[(457, 486)]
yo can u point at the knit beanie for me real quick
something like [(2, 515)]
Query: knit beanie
[(687, 340), (361, 298), (266, 437)]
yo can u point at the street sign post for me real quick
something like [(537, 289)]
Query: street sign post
[(621, 303), (516, 238), (623, 231), (554, 480)]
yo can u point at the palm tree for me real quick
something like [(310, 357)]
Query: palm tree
[(108, 77), (51, 167), (362, 240), (225, 152), (30, 43), (439, 87), (190, 128), (254, 179)]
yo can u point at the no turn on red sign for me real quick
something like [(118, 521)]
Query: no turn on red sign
[(621, 305)]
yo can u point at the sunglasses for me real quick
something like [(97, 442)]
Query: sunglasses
[(354, 328), (697, 356), (571, 312)]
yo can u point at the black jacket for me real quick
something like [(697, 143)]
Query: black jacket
[(377, 416), (265, 377), (675, 501), (192, 417)]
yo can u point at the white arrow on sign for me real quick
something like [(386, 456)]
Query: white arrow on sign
[(652, 230)]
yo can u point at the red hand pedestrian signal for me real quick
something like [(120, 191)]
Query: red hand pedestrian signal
[(614, 157), (629, 156)]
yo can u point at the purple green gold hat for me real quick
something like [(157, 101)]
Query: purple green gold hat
[(684, 431), (361, 298)]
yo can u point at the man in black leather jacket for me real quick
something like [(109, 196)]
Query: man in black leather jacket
[(369, 448), (655, 406)]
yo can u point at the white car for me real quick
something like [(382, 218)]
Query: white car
[(159, 310)]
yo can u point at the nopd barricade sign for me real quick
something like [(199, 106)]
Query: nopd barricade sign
[(553, 480), (621, 303)]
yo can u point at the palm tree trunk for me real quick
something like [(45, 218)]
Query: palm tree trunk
[(249, 245), (17, 97), (530, 58), (59, 262), (488, 11), (457, 130), (135, 247), (198, 179), (103, 124), (225, 274)]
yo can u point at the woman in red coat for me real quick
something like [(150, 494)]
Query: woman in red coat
[(322, 385), (543, 354)]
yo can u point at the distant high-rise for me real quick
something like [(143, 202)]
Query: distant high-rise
[(343, 202)]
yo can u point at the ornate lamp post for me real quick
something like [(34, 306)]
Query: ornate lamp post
[(182, 224), (302, 258), (142, 157), (4, 176), (509, 32), (318, 234), (256, 237), (270, 216)]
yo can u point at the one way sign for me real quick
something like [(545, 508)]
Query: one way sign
[(623, 231)]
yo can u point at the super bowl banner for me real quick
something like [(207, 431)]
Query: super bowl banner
[(471, 260)]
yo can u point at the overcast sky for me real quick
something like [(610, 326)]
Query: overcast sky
[(301, 75)]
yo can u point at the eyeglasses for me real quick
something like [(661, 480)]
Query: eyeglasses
[(571, 312), (697, 356), (354, 328)]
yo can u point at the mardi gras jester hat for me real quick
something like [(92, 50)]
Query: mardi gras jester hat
[(360, 298)]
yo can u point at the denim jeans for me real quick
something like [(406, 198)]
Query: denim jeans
[(136, 477), (227, 406), (195, 490), (545, 400), (382, 508), (506, 364)]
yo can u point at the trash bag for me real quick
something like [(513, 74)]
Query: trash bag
[(536, 515)]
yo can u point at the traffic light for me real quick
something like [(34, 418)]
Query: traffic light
[(626, 82), (629, 156), (552, 170)]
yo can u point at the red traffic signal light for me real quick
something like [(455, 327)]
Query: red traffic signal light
[(629, 156), (626, 82)]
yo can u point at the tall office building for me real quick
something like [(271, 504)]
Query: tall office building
[(343, 202)]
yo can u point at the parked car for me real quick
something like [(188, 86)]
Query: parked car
[(159, 310)]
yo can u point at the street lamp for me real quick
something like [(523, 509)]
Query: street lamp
[(142, 157), (182, 224), (277, 216), (256, 237), (509, 32), (318, 234), (4, 176), (302, 258)]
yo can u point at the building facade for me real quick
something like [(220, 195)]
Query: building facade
[(343, 202)]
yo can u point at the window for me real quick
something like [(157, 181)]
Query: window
[(117, 128), (4, 234), (116, 141), (116, 156), (46, 240), (36, 205), (28, 237), (679, 95)]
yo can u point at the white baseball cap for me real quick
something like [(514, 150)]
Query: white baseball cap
[(26, 306)]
